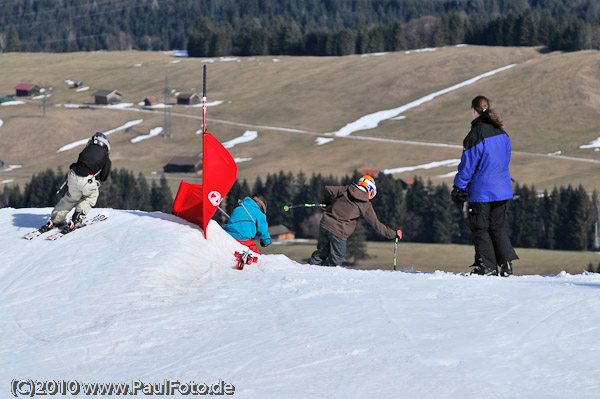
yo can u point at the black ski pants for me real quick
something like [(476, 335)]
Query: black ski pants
[(487, 221), (331, 250)]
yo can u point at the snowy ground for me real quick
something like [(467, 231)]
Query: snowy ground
[(153, 132), (144, 297), (371, 121)]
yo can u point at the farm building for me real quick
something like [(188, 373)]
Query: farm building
[(183, 164), (27, 89), (106, 97), (280, 233), (188, 99)]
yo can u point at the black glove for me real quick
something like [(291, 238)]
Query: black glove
[(458, 196), (262, 244)]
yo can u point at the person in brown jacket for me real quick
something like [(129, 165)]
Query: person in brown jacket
[(344, 205)]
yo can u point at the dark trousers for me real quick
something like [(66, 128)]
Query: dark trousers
[(331, 250), (487, 221)]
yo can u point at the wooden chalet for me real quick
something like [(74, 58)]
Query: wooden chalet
[(27, 90), (183, 164), (280, 233), (188, 99), (107, 97)]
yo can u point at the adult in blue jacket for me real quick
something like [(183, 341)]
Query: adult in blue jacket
[(248, 221), (483, 180)]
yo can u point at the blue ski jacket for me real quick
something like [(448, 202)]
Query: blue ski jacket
[(483, 169), (241, 225)]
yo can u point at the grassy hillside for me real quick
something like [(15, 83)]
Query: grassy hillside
[(549, 103)]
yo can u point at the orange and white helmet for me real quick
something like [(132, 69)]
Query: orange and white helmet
[(369, 183)]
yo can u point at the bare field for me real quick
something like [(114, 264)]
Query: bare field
[(448, 257), (549, 103)]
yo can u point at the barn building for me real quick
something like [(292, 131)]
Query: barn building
[(27, 90), (107, 97)]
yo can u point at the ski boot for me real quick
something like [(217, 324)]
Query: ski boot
[(481, 269), (47, 227), (75, 222), (506, 269)]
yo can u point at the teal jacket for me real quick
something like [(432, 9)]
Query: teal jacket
[(241, 227)]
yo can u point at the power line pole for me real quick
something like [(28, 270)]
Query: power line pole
[(168, 130), (44, 99)]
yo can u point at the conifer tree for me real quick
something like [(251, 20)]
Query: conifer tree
[(13, 43), (442, 215), (161, 197), (526, 29), (550, 217)]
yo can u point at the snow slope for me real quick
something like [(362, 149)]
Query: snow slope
[(144, 297)]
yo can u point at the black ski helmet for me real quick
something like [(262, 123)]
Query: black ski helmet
[(100, 139)]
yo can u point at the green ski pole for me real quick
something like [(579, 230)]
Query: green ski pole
[(398, 236), (288, 207), (395, 252)]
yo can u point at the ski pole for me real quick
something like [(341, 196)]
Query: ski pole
[(288, 207), (204, 99), (395, 251), (398, 236), (251, 218), (61, 187), (223, 212)]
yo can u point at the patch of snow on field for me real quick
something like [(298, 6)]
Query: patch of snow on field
[(119, 105), (238, 160), (80, 89), (373, 55), (323, 140), (430, 165), (7, 103), (154, 132), (371, 121), (592, 144), (451, 174), (84, 141), (11, 168), (421, 50), (208, 104), (249, 135)]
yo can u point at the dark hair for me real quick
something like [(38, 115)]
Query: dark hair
[(482, 105)]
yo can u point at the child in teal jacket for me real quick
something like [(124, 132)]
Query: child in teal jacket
[(248, 221)]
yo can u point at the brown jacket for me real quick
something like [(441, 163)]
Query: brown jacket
[(345, 205)]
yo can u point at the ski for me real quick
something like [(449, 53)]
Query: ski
[(65, 231), (245, 258), (37, 233)]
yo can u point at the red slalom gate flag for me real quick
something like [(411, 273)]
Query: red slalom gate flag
[(197, 203)]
